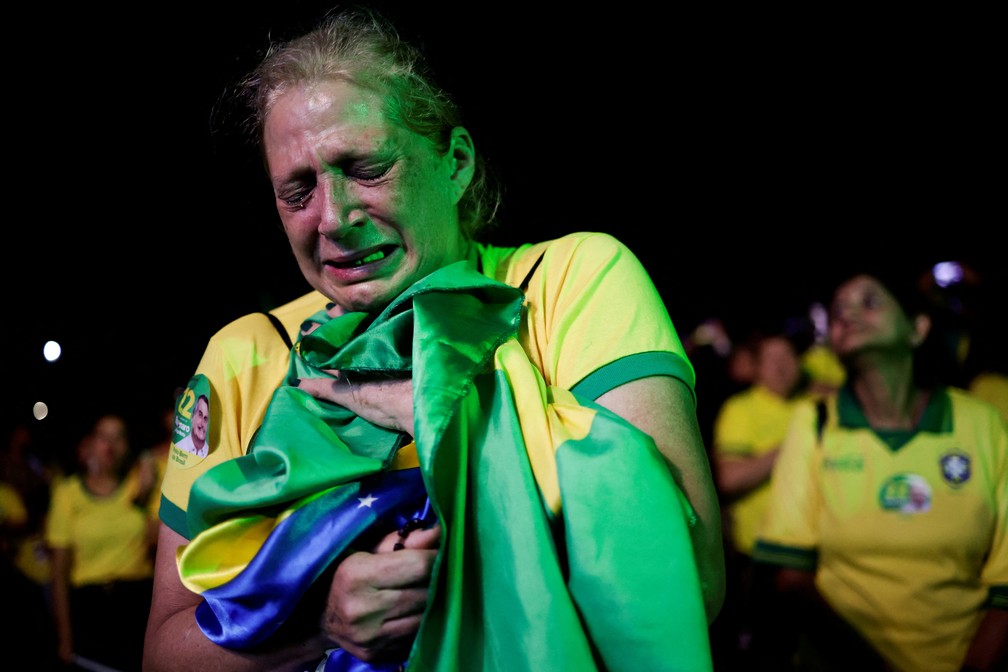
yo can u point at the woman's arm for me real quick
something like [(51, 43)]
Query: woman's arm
[(737, 476), (375, 603), (61, 560), (174, 640), (663, 407)]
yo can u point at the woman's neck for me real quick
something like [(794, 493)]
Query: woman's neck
[(889, 398), (101, 483)]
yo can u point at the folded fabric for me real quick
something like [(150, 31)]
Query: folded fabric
[(565, 540)]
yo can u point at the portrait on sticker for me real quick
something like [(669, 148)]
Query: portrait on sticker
[(192, 418)]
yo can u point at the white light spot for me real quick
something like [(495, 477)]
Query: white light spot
[(51, 351)]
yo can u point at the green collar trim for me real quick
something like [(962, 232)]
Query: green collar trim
[(937, 418)]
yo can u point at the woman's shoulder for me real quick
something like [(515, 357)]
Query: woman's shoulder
[(290, 316), (581, 243), (577, 242), (814, 410), (299, 308), (256, 346), (67, 485), (580, 249), (969, 402)]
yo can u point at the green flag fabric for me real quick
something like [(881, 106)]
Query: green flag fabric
[(565, 540)]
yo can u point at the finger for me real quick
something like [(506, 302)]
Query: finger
[(424, 538), (387, 543), (408, 568), (385, 571), (371, 599), (325, 389), (419, 538)]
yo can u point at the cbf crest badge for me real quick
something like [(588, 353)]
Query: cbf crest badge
[(955, 468)]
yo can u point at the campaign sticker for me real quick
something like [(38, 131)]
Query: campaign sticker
[(906, 493), (191, 435)]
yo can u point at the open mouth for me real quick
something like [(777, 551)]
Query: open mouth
[(369, 259)]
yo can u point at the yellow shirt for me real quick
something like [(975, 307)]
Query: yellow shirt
[(12, 508), (993, 388), (750, 423), (108, 535), (906, 530), (586, 346)]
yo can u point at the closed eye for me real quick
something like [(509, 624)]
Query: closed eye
[(357, 171), (297, 200), (361, 172)]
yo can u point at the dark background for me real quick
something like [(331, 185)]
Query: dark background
[(745, 155)]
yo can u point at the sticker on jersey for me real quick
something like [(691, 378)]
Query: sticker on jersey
[(955, 468), (906, 493), (191, 435)]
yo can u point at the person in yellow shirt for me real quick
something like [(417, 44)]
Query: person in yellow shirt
[(888, 505), (99, 530), (748, 430)]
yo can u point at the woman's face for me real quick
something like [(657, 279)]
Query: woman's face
[(368, 206), (105, 448), (778, 366), (865, 316)]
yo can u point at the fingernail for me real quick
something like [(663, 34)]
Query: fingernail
[(295, 382)]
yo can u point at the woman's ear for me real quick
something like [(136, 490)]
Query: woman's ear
[(462, 160), (922, 327)]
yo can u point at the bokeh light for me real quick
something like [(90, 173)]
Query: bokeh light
[(40, 410), (51, 351)]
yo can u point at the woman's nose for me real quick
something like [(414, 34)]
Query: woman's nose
[(341, 210)]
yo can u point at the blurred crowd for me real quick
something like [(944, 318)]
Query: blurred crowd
[(79, 529), (750, 378)]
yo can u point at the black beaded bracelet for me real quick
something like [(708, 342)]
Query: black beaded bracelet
[(415, 523), (405, 530)]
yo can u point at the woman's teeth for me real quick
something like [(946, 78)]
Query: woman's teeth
[(371, 257)]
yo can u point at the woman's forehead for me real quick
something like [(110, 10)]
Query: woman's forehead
[(859, 284), (334, 98), (333, 115)]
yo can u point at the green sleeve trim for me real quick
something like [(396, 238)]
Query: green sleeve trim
[(173, 517), (634, 367), (786, 556)]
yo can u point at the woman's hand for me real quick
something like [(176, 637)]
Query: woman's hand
[(377, 599), (384, 402)]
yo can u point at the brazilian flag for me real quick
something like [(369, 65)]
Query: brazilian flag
[(565, 540)]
